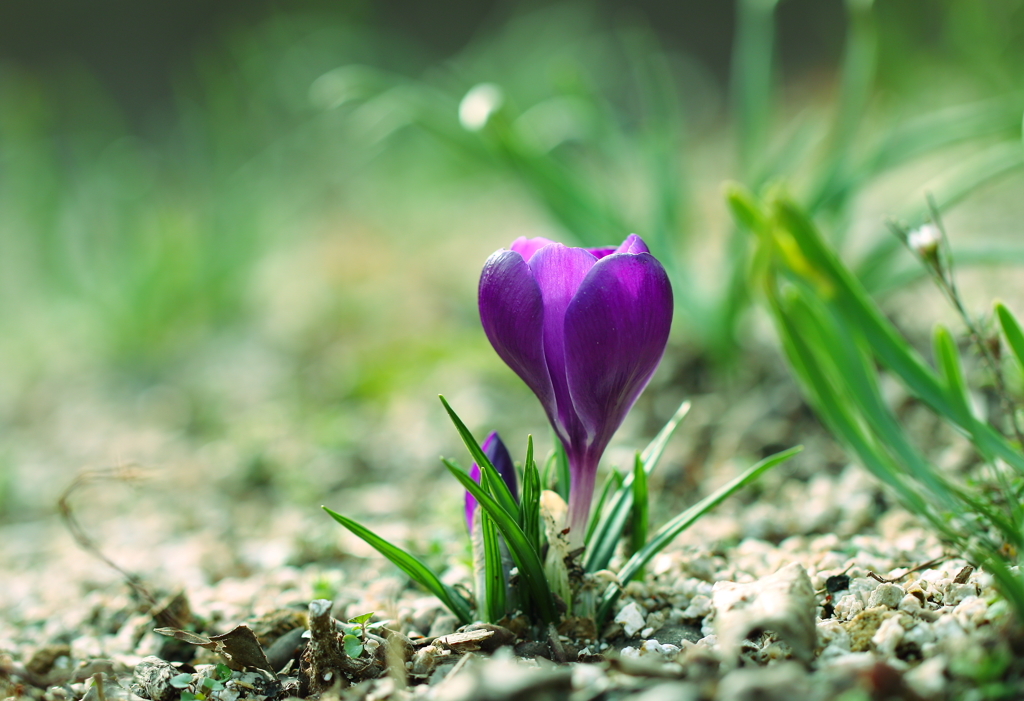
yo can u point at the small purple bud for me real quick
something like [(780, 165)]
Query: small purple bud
[(585, 330), (499, 456)]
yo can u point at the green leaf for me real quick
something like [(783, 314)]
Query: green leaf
[(527, 559), (488, 475), (947, 358), (667, 533), (638, 535), (562, 478), (181, 681), (212, 684), (612, 483), (812, 264), (529, 504), (361, 619), (411, 566), (494, 575), (654, 450), (221, 672), (609, 528), (353, 646), (1011, 331)]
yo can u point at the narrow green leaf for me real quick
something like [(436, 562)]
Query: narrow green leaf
[(654, 450), (529, 504), (612, 483), (531, 570), (361, 619), (488, 475), (562, 478), (1011, 331), (411, 566), (947, 358), (638, 535), (667, 533), (494, 576), (829, 279), (606, 534)]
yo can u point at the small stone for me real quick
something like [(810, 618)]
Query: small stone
[(783, 602), (647, 632), (955, 593), (630, 653), (910, 604), (888, 595), (864, 625), (849, 606), (152, 680), (669, 691), (652, 648), (631, 618), (444, 624), (700, 606), (888, 636), (427, 658), (971, 612), (779, 682), (928, 678)]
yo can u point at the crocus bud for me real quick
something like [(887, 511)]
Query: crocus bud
[(585, 330), (498, 454)]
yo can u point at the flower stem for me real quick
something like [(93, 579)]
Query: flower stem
[(583, 472)]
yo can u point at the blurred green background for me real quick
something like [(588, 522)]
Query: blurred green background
[(255, 228)]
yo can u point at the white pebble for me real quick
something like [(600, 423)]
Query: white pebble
[(630, 653), (928, 678), (888, 636), (955, 593), (631, 618), (971, 612), (700, 606), (849, 606), (888, 595), (910, 604)]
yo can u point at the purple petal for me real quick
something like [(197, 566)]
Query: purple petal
[(512, 314), (474, 474), (527, 247), (616, 329), (633, 244), (499, 456), (601, 252), (559, 270)]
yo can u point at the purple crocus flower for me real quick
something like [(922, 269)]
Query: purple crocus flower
[(498, 454), (585, 329)]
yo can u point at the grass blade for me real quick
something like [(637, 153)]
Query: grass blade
[(529, 505), (638, 531), (667, 533), (1012, 331), (411, 566), (947, 359), (652, 453), (488, 475), (494, 579), (527, 559), (563, 481), (612, 483), (609, 528)]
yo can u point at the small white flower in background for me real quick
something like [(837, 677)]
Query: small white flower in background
[(924, 241), (479, 104)]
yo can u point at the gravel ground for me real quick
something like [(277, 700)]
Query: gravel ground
[(811, 585)]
